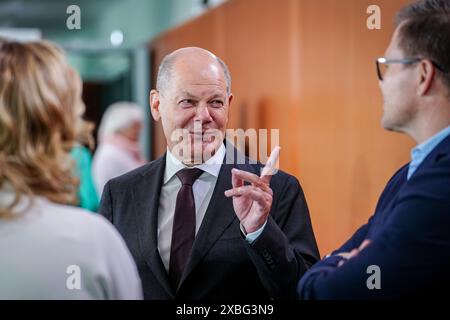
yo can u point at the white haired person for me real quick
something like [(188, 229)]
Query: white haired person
[(48, 249), (118, 143)]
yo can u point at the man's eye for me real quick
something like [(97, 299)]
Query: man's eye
[(186, 103), (216, 103)]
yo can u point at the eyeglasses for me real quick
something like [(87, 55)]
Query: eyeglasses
[(383, 64)]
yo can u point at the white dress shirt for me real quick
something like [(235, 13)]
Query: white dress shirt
[(53, 251), (202, 188)]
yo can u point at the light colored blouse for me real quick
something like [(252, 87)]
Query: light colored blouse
[(53, 251)]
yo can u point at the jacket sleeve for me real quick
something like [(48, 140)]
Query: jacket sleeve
[(287, 247), (411, 253), (355, 241), (105, 208)]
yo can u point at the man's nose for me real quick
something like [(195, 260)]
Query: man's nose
[(203, 113)]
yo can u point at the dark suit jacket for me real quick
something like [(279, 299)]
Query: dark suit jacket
[(410, 234), (222, 265)]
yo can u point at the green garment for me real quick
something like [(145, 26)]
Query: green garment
[(87, 195)]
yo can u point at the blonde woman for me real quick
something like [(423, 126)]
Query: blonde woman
[(49, 250)]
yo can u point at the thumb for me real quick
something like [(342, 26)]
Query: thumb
[(271, 166)]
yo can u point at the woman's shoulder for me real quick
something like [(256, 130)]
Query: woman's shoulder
[(75, 218), (81, 230)]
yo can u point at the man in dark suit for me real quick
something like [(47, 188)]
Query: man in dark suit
[(404, 249), (199, 223)]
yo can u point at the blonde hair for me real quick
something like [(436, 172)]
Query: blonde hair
[(40, 122)]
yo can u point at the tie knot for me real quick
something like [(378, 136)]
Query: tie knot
[(188, 176)]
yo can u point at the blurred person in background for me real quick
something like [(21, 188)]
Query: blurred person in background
[(49, 250), (118, 143)]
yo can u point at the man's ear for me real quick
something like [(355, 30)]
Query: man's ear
[(426, 73), (154, 105), (230, 98)]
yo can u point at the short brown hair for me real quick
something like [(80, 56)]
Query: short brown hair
[(425, 32), (40, 122)]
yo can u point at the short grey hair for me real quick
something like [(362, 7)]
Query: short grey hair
[(166, 67), (118, 116)]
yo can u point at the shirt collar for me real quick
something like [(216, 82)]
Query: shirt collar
[(423, 149), (420, 152), (211, 166)]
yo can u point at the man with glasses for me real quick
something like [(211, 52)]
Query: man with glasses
[(404, 249)]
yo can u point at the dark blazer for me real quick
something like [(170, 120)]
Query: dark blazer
[(222, 265), (410, 234)]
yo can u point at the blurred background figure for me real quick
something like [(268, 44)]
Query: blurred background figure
[(118, 143), (49, 250)]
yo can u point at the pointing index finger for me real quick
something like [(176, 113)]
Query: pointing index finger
[(271, 166)]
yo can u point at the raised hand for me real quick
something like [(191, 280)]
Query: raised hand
[(252, 203)]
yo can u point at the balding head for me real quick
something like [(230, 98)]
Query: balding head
[(192, 102), (189, 57)]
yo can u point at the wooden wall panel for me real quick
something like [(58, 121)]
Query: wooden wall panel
[(307, 68)]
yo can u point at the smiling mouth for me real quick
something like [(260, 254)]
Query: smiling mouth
[(204, 137)]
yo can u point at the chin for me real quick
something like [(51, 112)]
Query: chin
[(198, 155), (390, 126), (387, 126), (209, 148), (385, 122)]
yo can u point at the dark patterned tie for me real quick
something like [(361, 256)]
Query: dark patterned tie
[(183, 231)]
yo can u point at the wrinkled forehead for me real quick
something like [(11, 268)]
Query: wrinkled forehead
[(198, 72)]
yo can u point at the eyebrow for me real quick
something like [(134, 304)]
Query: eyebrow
[(217, 95), (192, 96), (186, 94)]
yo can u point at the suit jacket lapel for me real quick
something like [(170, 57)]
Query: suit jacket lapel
[(435, 155), (146, 195), (440, 150)]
